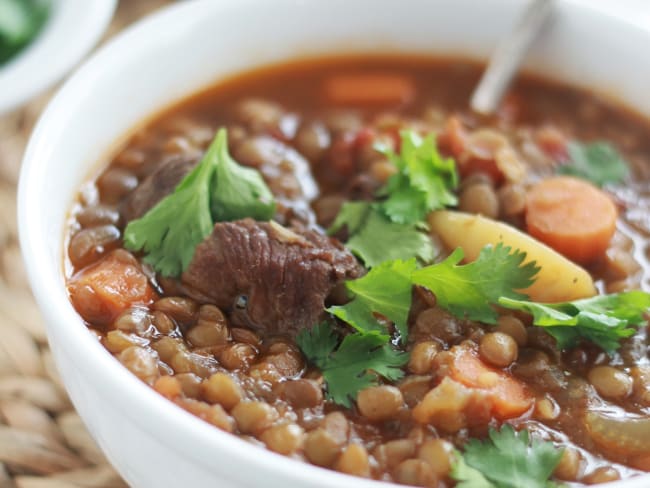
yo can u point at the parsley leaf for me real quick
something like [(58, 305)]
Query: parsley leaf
[(508, 459), (466, 476), (238, 192), (385, 290), (424, 182), (20, 23), (598, 162), (603, 320), (318, 343), (395, 227), (470, 290), (375, 239), (170, 231), (216, 189), (354, 365)]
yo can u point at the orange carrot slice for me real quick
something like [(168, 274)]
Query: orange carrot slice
[(572, 216), (105, 289), (509, 397), (369, 88)]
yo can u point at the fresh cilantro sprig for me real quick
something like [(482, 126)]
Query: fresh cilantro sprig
[(603, 320), (424, 181), (374, 238), (467, 291), (598, 162), (20, 23), (385, 290), (470, 290), (394, 226), (354, 364), (217, 189), (507, 459)]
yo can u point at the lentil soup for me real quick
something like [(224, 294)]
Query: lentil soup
[(359, 273)]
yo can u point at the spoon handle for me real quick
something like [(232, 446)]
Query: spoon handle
[(510, 53)]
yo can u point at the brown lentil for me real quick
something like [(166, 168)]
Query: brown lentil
[(498, 349), (378, 403), (254, 417)]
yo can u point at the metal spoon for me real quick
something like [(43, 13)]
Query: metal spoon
[(507, 58)]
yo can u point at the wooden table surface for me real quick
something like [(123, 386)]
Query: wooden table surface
[(43, 443)]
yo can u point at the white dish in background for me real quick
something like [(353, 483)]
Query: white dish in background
[(172, 55), (73, 27)]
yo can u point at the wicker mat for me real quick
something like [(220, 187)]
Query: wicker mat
[(43, 443)]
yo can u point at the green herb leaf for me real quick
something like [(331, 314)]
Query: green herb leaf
[(216, 189), (169, 232), (508, 459), (20, 22), (318, 343), (598, 162), (385, 290), (470, 290), (603, 320), (238, 192), (466, 476), (375, 239), (424, 182), (354, 365)]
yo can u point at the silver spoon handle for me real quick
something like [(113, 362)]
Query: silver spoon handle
[(505, 61)]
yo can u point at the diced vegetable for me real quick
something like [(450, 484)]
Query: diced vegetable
[(371, 88), (572, 216), (508, 396), (103, 290), (627, 434), (558, 279)]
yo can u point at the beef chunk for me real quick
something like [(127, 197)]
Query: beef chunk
[(155, 187), (270, 278)]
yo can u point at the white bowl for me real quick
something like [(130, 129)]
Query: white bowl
[(175, 53), (71, 30)]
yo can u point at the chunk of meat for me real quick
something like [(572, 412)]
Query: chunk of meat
[(155, 187), (108, 287), (271, 278)]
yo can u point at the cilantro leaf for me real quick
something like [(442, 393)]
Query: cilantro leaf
[(603, 320), (466, 476), (598, 162), (385, 290), (354, 365), (238, 191), (424, 182), (170, 231), (509, 459), (20, 23), (216, 189), (470, 290), (318, 343), (375, 239)]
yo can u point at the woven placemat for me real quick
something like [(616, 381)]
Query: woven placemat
[(43, 442)]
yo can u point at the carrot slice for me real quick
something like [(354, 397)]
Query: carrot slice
[(105, 289), (572, 216), (508, 396), (369, 88)]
